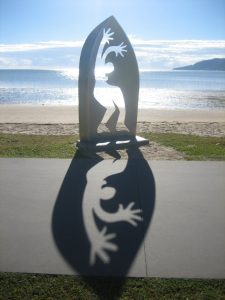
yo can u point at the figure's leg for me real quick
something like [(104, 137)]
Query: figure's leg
[(112, 121)]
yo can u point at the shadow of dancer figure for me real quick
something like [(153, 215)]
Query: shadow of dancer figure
[(100, 240), (98, 237)]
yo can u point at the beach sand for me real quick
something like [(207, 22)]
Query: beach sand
[(63, 120), (41, 114)]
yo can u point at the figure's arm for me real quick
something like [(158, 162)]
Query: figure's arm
[(100, 241), (117, 49), (123, 214), (106, 38)]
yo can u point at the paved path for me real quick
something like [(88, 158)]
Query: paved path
[(60, 216)]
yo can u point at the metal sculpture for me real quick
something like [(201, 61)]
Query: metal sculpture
[(106, 45)]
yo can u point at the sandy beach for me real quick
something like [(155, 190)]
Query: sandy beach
[(63, 120), (41, 114)]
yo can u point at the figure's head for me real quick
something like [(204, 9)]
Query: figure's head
[(107, 192)]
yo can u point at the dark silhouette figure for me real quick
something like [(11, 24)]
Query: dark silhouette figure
[(118, 52)]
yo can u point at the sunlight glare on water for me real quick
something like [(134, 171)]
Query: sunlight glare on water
[(162, 90), (100, 72), (72, 74)]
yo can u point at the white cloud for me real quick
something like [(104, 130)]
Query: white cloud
[(40, 46), (169, 54), (151, 54), (7, 62), (178, 43)]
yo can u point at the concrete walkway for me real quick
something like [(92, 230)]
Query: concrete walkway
[(122, 218)]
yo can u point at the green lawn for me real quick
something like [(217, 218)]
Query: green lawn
[(192, 147), (52, 146), (30, 286)]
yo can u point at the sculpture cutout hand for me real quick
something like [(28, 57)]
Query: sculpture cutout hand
[(129, 215), (120, 49), (107, 36), (100, 245)]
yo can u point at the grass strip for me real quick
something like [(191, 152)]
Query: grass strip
[(193, 147), (49, 287), (45, 146), (53, 146)]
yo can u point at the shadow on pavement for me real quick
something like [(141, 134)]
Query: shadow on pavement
[(101, 215)]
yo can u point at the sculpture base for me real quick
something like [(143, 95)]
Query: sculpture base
[(111, 145)]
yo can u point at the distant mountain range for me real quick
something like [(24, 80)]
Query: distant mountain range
[(215, 64)]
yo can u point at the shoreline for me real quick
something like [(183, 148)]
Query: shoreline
[(52, 114)]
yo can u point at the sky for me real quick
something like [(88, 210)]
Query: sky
[(164, 33)]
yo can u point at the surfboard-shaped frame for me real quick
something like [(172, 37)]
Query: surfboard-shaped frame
[(125, 76)]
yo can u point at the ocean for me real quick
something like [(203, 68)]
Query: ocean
[(158, 89)]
